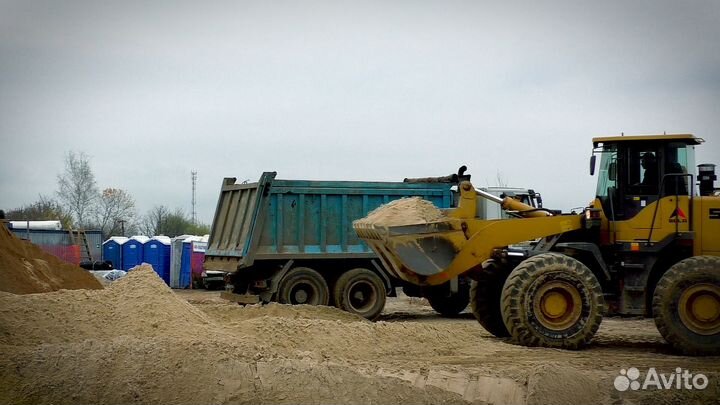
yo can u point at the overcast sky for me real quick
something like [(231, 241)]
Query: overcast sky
[(345, 90)]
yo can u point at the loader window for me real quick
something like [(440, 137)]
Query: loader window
[(607, 175), (677, 159), (643, 170)]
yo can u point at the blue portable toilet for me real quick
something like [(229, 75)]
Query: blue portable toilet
[(186, 261), (176, 245), (133, 252), (112, 250), (156, 253)]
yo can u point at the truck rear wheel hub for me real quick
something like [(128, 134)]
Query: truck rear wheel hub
[(362, 296)]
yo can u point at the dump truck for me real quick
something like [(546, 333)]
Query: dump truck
[(648, 244), (292, 241)]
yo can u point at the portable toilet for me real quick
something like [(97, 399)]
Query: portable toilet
[(156, 253), (112, 250), (133, 251), (198, 256), (186, 261), (176, 245)]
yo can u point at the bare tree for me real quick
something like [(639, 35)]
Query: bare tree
[(113, 206), (500, 179), (161, 221), (154, 221), (77, 188)]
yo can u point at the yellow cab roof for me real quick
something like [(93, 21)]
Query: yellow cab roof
[(687, 138)]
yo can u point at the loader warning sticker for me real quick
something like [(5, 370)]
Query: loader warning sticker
[(678, 217)]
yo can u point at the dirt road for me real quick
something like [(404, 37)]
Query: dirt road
[(412, 342), (137, 341)]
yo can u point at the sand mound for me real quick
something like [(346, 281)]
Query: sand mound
[(171, 371), (138, 342), (405, 211), (26, 269), (139, 304)]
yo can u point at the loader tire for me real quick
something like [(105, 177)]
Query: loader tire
[(360, 291), (303, 285), (448, 303), (552, 300), (686, 306), (485, 293)]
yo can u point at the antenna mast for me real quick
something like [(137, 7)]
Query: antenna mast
[(193, 174)]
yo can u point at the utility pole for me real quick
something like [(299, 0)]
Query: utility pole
[(193, 174), (122, 226)]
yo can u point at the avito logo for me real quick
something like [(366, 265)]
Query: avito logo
[(680, 379)]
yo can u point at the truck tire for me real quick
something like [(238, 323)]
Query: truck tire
[(303, 285), (485, 294), (360, 291), (686, 305), (448, 303), (552, 300)]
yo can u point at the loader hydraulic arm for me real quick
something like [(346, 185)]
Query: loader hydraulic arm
[(433, 253)]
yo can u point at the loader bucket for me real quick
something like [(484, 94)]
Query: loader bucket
[(413, 252)]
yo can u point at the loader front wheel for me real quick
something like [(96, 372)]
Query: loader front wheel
[(686, 305), (552, 300), (360, 291), (485, 294), (303, 285)]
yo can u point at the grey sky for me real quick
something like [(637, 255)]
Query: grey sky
[(352, 90)]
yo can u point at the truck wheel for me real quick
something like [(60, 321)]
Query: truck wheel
[(686, 305), (303, 285), (552, 300), (448, 303), (485, 295), (360, 291)]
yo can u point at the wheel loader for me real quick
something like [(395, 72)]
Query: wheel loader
[(647, 245)]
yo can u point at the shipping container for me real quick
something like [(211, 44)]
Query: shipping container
[(60, 243)]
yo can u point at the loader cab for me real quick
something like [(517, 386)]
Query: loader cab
[(636, 171)]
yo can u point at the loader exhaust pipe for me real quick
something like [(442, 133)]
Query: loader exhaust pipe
[(707, 177)]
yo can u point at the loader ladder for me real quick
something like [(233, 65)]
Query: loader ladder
[(79, 238)]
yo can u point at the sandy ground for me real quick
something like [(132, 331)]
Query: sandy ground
[(463, 358), (137, 341)]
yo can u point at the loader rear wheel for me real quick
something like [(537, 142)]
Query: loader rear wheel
[(552, 300), (303, 285), (485, 294), (446, 302), (686, 305), (360, 291)]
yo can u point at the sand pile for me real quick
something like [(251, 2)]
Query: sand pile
[(141, 305), (405, 211), (26, 269), (138, 342)]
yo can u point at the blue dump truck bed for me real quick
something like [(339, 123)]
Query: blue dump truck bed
[(280, 220), (292, 241)]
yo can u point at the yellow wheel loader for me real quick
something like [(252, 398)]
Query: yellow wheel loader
[(648, 244)]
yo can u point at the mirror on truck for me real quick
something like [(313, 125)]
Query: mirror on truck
[(592, 165)]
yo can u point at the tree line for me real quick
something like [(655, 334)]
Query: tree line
[(79, 203)]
